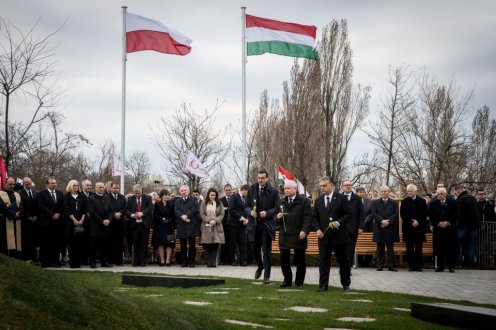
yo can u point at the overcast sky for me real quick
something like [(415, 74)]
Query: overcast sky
[(448, 37)]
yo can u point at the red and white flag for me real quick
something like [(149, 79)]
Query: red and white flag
[(284, 175), (194, 166), (146, 34), (117, 167)]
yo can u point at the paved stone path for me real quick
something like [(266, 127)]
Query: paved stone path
[(478, 286)]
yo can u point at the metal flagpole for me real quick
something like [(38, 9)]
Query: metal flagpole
[(243, 87), (123, 121)]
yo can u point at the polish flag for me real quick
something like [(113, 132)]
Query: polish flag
[(146, 34)]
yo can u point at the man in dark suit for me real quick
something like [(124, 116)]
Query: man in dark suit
[(238, 219), (117, 224), (331, 214), (295, 220), (262, 199), (188, 225), (139, 212), (443, 214), (385, 214), (29, 216), (99, 210), (357, 218), (224, 248), (413, 213), (468, 222), (367, 225), (50, 224)]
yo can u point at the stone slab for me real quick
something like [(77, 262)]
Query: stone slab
[(170, 281), (455, 315)]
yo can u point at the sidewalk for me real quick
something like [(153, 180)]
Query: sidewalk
[(478, 286)]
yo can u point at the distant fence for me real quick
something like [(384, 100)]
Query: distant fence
[(485, 244)]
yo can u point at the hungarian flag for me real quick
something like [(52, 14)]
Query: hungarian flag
[(284, 175), (268, 36), (146, 34)]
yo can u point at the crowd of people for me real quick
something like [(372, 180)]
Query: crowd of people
[(86, 227)]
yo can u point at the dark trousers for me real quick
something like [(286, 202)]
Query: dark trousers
[(117, 241), (29, 240), (300, 262), (237, 237), (445, 249), (225, 258), (263, 244), (74, 247), (99, 249), (351, 248), (390, 253), (140, 242), (414, 254), (211, 251), (50, 238), (188, 250), (340, 250)]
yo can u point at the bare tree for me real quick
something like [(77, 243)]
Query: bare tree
[(343, 107), (139, 164), (189, 130), (26, 64)]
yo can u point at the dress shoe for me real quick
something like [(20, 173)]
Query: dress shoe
[(75, 266), (392, 269), (299, 286), (266, 280), (234, 264), (379, 269), (142, 265), (184, 265), (419, 270), (161, 264), (322, 289), (191, 265), (167, 264), (346, 288), (411, 269), (243, 264), (439, 270), (285, 285), (93, 265), (451, 270), (106, 265), (118, 263), (258, 273)]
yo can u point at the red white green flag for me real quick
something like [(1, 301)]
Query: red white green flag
[(290, 39), (284, 175)]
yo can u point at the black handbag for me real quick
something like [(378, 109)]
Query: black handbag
[(78, 230)]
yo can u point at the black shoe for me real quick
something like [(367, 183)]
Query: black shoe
[(106, 265), (192, 266), (243, 264), (451, 270), (234, 264), (142, 265), (439, 270), (411, 269), (75, 266), (322, 289), (346, 288), (299, 286), (118, 263), (379, 269), (266, 280), (167, 264), (419, 270), (161, 264), (258, 273), (393, 269), (285, 285), (93, 265), (184, 265)]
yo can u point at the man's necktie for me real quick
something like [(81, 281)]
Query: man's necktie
[(53, 197), (30, 193), (328, 201)]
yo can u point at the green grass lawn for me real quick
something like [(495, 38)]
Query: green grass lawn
[(35, 298)]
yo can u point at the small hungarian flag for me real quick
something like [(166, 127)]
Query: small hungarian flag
[(268, 36), (146, 34), (284, 175)]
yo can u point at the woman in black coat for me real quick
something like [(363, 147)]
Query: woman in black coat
[(163, 227), (75, 208)]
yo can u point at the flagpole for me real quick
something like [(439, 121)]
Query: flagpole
[(243, 97), (123, 121)]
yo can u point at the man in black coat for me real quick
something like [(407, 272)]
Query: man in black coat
[(139, 213), (51, 226), (367, 225), (331, 214), (238, 219), (225, 258), (262, 199), (188, 225), (295, 219), (99, 210), (468, 222), (413, 211), (357, 218), (117, 223), (442, 214), (385, 214), (29, 217)]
